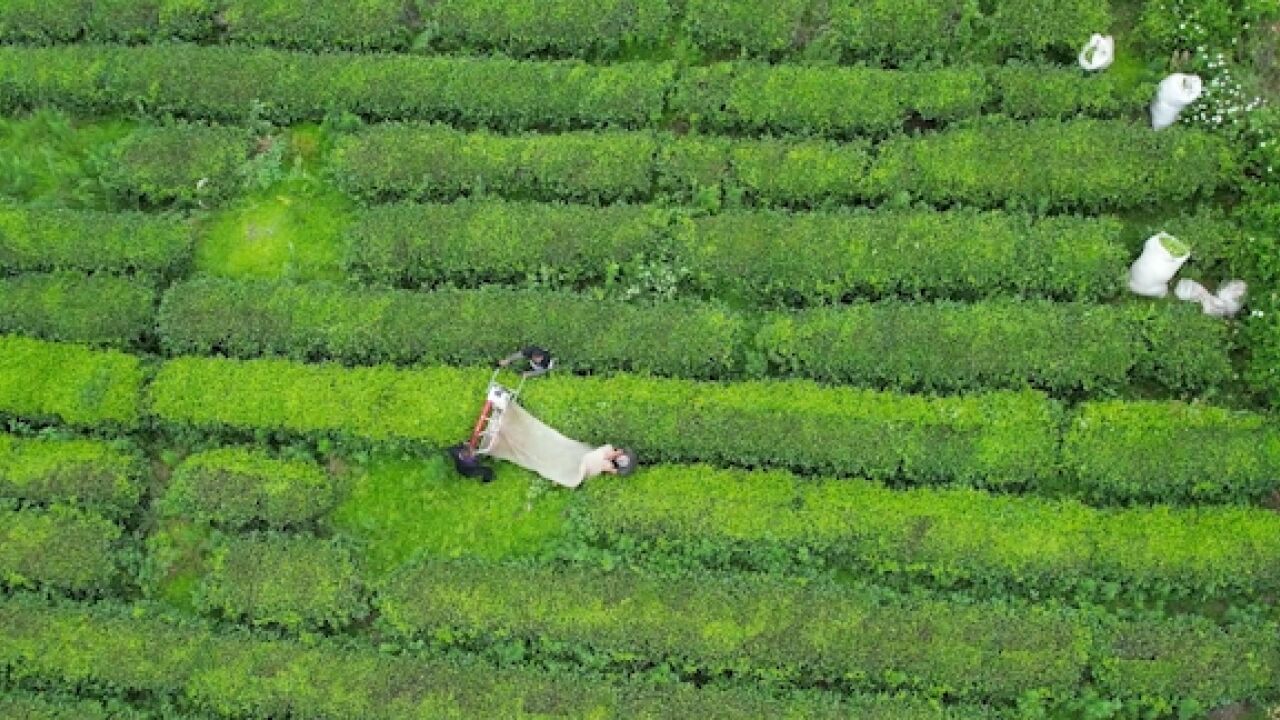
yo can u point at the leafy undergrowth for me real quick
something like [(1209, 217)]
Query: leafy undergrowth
[(400, 508), (177, 560), (47, 159), (289, 225)]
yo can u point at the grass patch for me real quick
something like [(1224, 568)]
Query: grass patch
[(291, 231), (399, 508), (289, 224), (47, 159), (177, 556)]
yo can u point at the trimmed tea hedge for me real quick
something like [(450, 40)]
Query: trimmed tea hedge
[(475, 242), (701, 517), (59, 548), (112, 21), (850, 102), (129, 648), (183, 165), (55, 706), (304, 322), (38, 239), (752, 627), (1058, 347), (1063, 348), (69, 383), (997, 439), (579, 28), (852, 637), (896, 33), (103, 477), (747, 257), (238, 487), (389, 162), (69, 306), (225, 83), (814, 258), (842, 102), (1173, 453), (317, 24), (290, 581), (1089, 165), (1039, 91)]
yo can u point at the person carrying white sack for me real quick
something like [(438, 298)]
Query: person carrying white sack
[(532, 444), (606, 459)]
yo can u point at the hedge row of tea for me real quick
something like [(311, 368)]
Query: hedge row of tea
[(1087, 165), (102, 476), (759, 258), (849, 30), (999, 439), (701, 518), (222, 84), (1059, 347), (177, 662), (1081, 165)]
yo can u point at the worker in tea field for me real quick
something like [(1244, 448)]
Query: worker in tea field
[(539, 360), (468, 463), (606, 459)]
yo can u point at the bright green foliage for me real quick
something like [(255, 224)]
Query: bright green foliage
[(128, 648), (701, 517), (1186, 350), (105, 20), (290, 581), (177, 559), (806, 173), (243, 319), (814, 258), (1058, 347), (757, 627), (1088, 165), (182, 165), (1063, 348), (1173, 453), (905, 32), (998, 439), (1080, 164), (317, 24), (69, 383), (896, 32), (59, 548), (400, 508), (48, 160), (1191, 664), (90, 241), (747, 257), (54, 706), (579, 28), (73, 307), (1041, 91), (237, 487), (389, 162), (841, 102), (474, 242), (764, 28), (281, 232), (104, 477), (1045, 28), (226, 83), (382, 404), (851, 638)]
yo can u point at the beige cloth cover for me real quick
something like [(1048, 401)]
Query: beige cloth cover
[(532, 444)]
